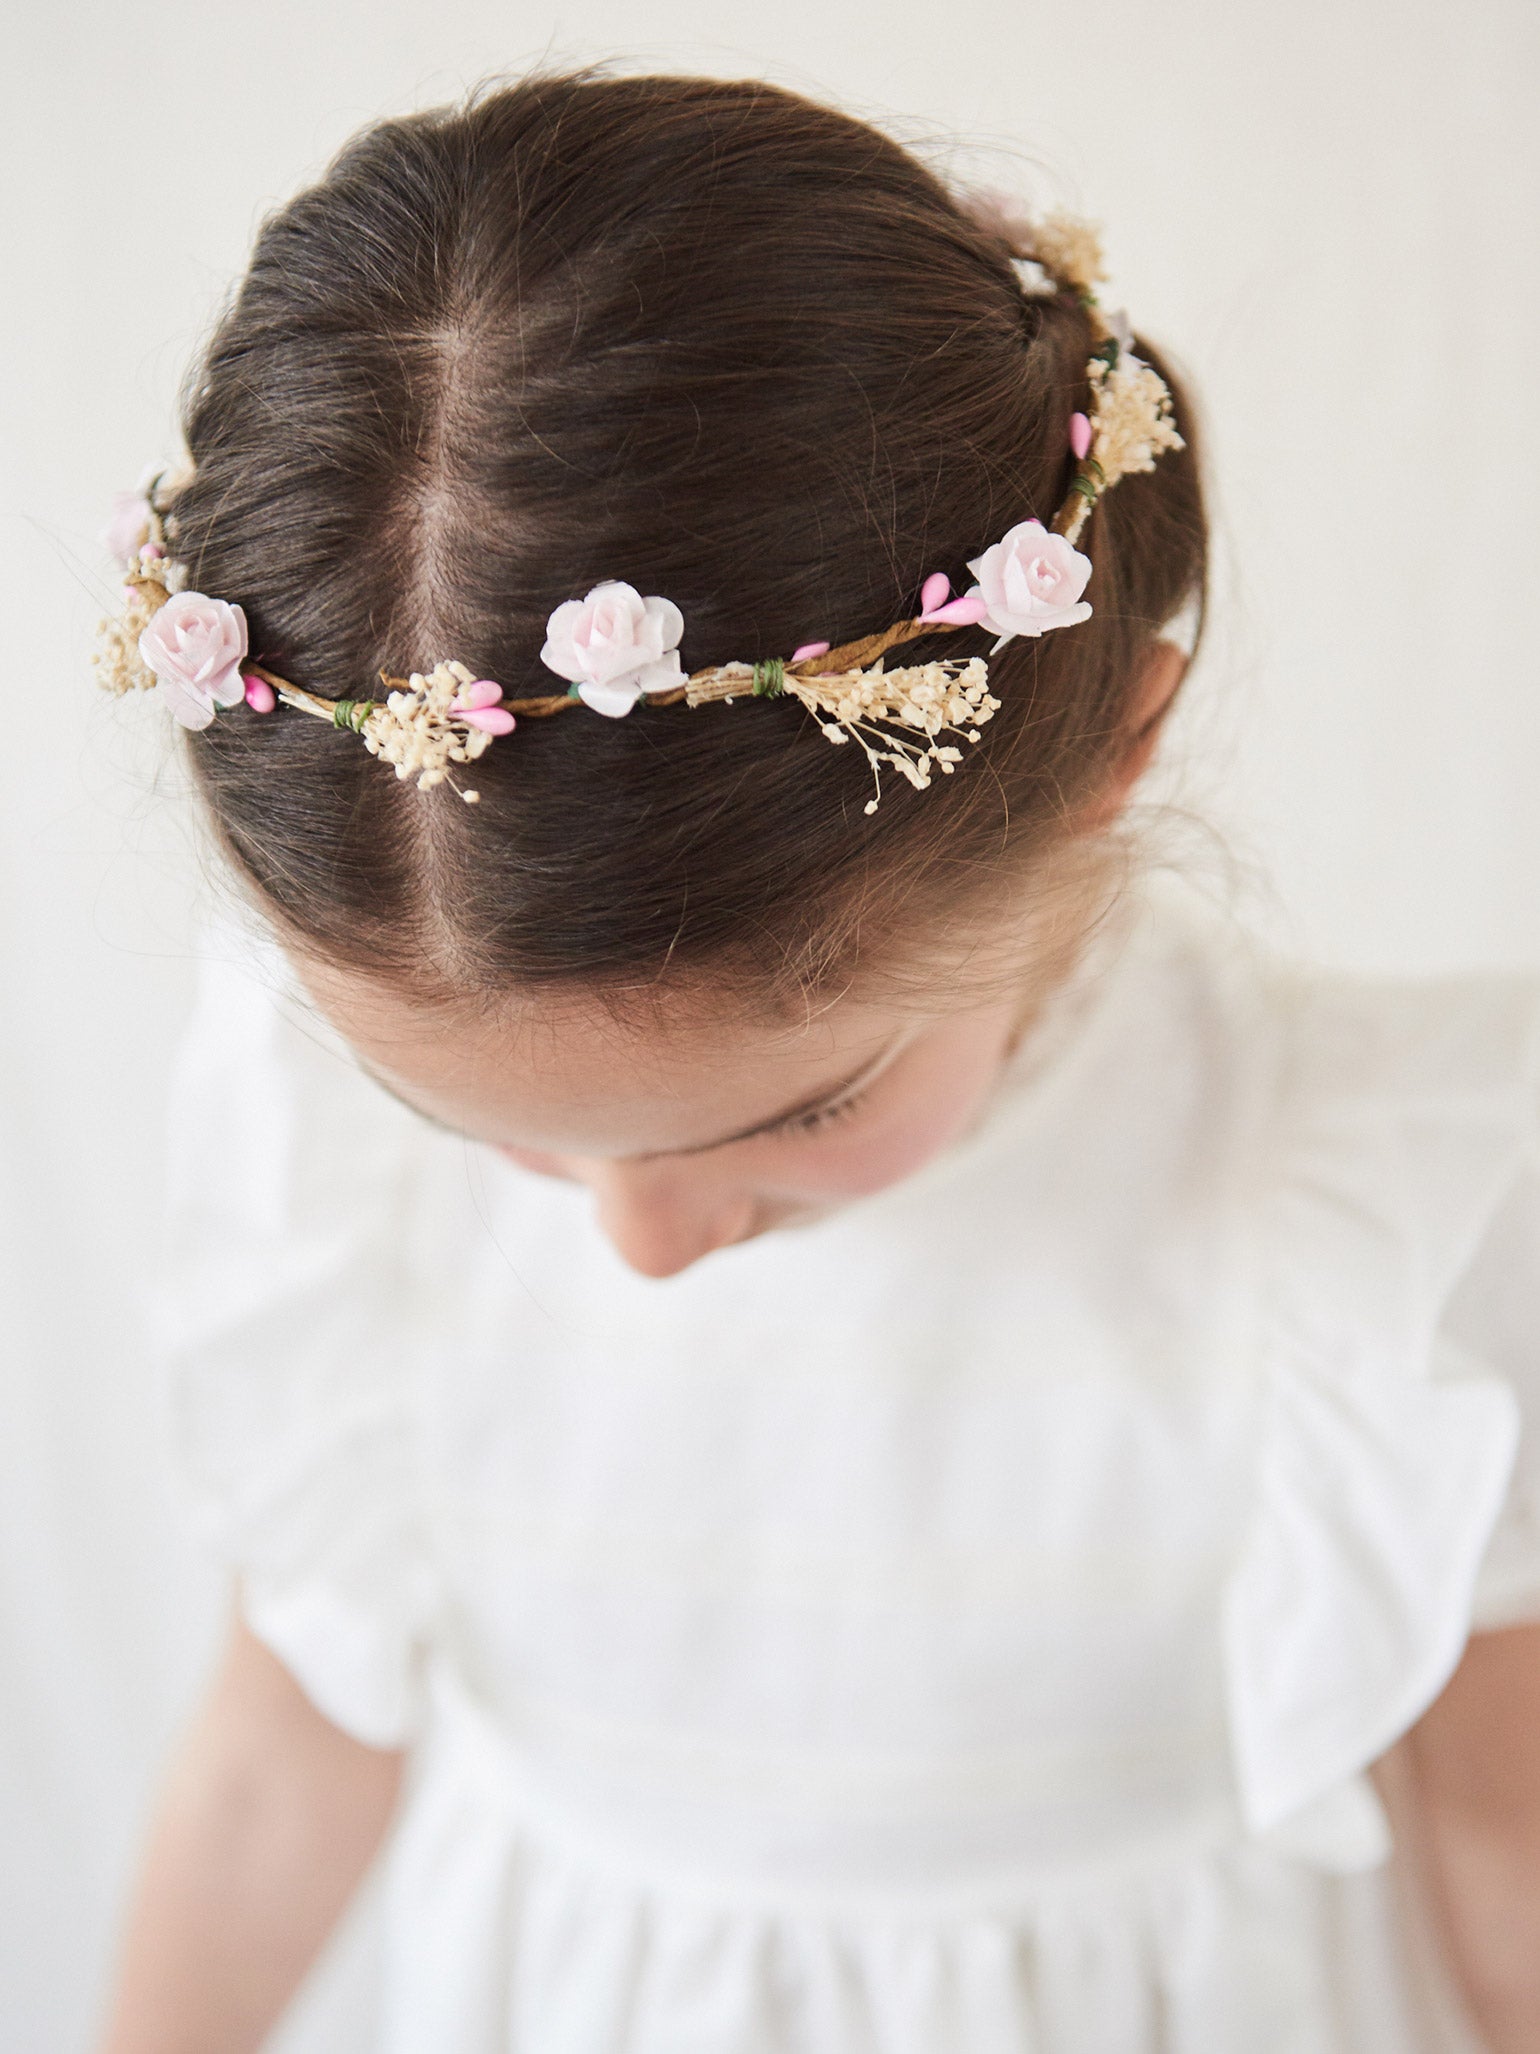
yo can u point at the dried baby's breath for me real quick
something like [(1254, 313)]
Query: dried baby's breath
[(1071, 249), (415, 733), (119, 666), (1130, 416), (898, 717), (1131, 425)]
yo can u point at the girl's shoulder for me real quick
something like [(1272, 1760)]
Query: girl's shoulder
[(1372, 1062), (1191, 1056), (1376, 1126)]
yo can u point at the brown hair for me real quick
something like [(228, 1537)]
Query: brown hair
[(730, 346)]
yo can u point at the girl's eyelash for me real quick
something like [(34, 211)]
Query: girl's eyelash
[(820, 1116)]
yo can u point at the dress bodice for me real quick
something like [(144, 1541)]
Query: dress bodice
[(1099, 1500)]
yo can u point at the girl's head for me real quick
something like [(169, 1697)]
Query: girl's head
[(733, 347)]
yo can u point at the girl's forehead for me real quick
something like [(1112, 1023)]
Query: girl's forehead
[(569, 1075)]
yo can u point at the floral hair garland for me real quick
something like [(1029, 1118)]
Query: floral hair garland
[(614, 647)]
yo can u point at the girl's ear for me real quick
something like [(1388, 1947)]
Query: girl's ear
[(1164, 669)]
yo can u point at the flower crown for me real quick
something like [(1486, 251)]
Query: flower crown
[(614, 647)]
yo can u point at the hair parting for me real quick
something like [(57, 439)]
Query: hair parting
[(725, 343)]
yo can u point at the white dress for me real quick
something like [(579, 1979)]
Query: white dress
[(958, 1626)]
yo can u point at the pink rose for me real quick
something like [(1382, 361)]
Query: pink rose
[(1030, 581), (196, 646), (614, 645), (128, 526)]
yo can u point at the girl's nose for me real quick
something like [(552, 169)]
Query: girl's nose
[(658, 1220)]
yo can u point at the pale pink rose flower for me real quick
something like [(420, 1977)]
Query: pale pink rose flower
[(1030, 581), (614, 645), (128, 526), (196, 646)]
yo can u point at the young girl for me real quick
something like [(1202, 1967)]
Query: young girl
[(903, 1432)]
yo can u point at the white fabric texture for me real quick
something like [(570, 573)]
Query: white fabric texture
[(963, 1623)]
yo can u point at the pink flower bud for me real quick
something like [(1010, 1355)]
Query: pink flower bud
[(482, 693), (962, 612), (936, 606)]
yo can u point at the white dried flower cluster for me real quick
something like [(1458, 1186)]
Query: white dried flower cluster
[(886, 710), (1130, 415), (1071, 249), (1037, 282), (415, 732), (119, 666)]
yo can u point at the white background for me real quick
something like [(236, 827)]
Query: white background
[(1325, 209)]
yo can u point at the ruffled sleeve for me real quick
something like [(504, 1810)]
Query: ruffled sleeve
[(286, 1335), (1388, 1431), (1494, 1318)]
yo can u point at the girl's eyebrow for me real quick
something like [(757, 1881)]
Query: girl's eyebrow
[(821, 1101)]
